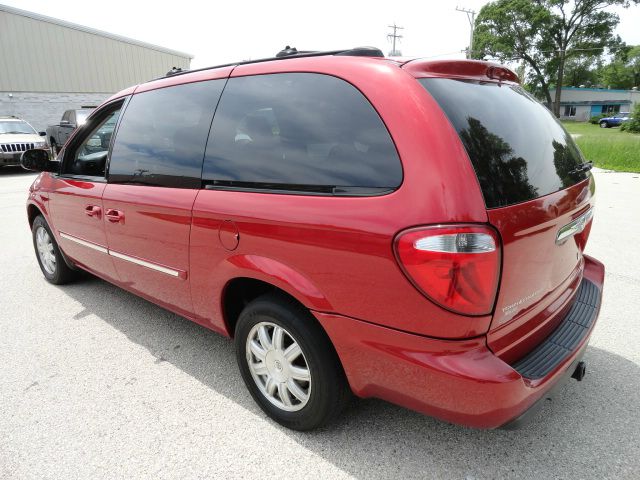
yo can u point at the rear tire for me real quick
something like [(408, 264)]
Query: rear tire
[(289, 364), (50, 259)]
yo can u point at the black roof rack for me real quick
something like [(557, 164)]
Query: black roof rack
[(173, 71), (285, 54)]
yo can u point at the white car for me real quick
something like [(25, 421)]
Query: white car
[(17, 136)]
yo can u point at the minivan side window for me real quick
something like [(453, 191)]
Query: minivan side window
[(299, 132), (86, 156), (162, 136)]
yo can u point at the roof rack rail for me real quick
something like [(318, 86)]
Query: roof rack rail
[(285, 54), (175, 70)]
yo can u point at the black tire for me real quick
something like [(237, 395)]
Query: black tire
[(604, 125), (60, 273), (329, 391)]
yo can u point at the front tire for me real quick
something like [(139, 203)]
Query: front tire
[(288, 363), (49, 256), (604, 125)]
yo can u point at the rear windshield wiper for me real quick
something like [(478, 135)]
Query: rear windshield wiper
[(583, 167)]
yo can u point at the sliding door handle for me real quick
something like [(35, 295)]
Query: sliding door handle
[(93, 211), (114, 216)]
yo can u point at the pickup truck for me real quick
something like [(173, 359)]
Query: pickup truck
[(71, 119)]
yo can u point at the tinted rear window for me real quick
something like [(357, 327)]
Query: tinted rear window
[(299, 132), (518, 149)]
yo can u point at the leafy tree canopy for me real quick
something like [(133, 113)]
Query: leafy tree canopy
[(548, 35)]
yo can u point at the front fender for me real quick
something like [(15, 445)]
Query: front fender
[(38, 199)]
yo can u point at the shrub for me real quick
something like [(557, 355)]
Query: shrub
[(596, 118), (633, 125)]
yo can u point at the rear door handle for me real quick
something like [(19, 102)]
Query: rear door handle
[(93, 211), (114, 216)]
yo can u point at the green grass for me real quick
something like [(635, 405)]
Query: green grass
[(608, 148)]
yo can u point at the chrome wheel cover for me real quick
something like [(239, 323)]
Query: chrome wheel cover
[(44, 245), (278, 366)]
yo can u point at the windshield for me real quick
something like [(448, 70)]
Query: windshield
[(518, 149), (16, 127)]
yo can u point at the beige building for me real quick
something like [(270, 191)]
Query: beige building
[(49, 65), (581, 104)]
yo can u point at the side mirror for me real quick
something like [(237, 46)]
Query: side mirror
[(42, 134), (38, 160)]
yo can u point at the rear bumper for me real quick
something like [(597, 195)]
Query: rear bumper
[(457, 381)]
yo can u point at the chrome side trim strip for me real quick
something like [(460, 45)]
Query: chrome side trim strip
[(574, 227), (144, 263), (122, 256), (84, 243)]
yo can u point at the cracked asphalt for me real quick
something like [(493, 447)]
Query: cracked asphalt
[(97, 383)]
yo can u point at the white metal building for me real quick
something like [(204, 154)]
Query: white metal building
[(49, 65), (581, 104)]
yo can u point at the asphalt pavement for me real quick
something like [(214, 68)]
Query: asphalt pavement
[(96, 383)]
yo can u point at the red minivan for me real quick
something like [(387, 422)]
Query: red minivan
[(407, 230)]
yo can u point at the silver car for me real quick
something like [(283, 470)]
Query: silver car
[(17, 136)]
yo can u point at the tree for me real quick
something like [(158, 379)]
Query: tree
[(545, 34), (581, 71), (516, 29), (632, 58), (633, 125), (622, 70), (615, 75)]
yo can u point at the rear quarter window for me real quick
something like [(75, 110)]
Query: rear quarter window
[(518, 149), (299, 132)]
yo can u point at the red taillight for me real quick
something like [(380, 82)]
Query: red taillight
[(457, 266)]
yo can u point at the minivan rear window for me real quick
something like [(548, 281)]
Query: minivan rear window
[(518, 149)]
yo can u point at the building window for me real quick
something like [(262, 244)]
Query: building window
[(569, 111), (610, 108)]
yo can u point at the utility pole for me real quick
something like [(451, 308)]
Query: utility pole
[(393, 36), (471, 16)]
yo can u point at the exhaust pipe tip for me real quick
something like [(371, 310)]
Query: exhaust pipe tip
[(580, 371)]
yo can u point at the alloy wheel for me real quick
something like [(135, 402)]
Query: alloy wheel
[(278, 366), (45, 250)]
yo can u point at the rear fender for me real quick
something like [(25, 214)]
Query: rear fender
[(282, 276)]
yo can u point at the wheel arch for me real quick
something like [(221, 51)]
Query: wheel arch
[(240, 291), (32, 212), (249, 276)]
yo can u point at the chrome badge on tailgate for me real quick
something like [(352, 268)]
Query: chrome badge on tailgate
[(574, 227)]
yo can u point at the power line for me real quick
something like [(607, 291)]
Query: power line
[(471, 16), (393, 36)]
